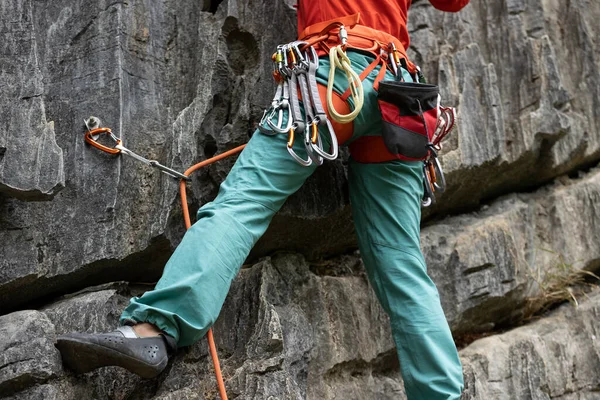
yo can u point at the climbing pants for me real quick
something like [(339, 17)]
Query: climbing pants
[(385, 199)]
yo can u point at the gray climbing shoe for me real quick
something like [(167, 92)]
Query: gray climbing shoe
[(144, 356)]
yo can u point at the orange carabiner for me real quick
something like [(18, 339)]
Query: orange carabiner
[(89, 138), (291, 138), (432, 175)]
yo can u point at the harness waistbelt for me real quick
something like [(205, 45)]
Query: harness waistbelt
[(360, 37)]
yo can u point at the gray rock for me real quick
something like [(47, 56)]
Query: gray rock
[(284, 332), (525, 101), (313, 337), (182, 81), (178, 94), (173, 94), (27, 352), (557, 357), (31, 160), (95, 309), (485, 264), (50, 391)]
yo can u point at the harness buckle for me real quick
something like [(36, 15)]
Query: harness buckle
[(343, 35)]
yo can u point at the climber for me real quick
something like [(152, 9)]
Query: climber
[(385, 194)]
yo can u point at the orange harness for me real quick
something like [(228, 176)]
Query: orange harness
[(325, 34), (382, 45)]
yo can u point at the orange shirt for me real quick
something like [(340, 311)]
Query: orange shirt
[(385, 15)]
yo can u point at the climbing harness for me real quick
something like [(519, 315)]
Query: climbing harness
[(294, 69), (92, 135), (414, 121)]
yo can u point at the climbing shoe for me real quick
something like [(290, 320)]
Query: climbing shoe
[(144, 356)]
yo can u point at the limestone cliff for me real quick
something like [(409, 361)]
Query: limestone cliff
[(183, 80)]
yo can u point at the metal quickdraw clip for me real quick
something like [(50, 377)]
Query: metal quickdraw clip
[(320, 118), (290, 148), (433, 177), (394, 60), (93, 134), (343, 35)]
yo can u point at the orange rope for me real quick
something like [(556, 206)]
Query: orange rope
[(188, 224)]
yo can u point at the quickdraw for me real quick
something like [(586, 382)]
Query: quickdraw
[(295, 66), (434, 180), (93, 135)]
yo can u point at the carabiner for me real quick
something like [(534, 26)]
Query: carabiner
[(440, 179), (290, 145), (267, 116), (343, 35), (312, 56), (285, 65), (92, 135), (311, 133), (312, 137), (302, 61), (428, 196), (278, 128)]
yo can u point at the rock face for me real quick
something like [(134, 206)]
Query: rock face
[(289, 331), (486, 263), (31, 160), (179, 84), (27, 352), (554, 358), (180, 81), (284, 332)]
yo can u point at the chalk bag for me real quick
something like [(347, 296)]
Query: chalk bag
[(410, 112)]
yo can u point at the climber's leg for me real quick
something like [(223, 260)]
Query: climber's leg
[(386, 201), (195, 282)]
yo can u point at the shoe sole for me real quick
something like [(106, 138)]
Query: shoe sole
[(83, 357)]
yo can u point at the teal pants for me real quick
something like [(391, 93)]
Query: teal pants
[(386, 204)]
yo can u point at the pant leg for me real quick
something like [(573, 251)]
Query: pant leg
[(386, 205), (196, 279)]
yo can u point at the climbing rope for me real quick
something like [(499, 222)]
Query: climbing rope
[(188, 224)]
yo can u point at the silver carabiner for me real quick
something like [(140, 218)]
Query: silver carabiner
[(278, 128), (439, 175), (290, 149), (428, 196), (312, 56), (313, 137), (266, 118), (310, 147), (302, 61)]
